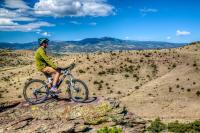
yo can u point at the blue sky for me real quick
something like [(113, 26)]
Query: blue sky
[(144, 20)]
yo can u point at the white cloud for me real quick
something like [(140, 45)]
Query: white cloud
[(169, 37), (182, 33), (10, 20), (46, 34), (126, 37), (35, 26), (16, 4), (75, 22), (148, 10), (145, 11), (7, 13), (62, 8), (93, 23), (14, 12), (5, 21), (15, 15)]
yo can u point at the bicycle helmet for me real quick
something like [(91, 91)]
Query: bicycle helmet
[(43, 40)]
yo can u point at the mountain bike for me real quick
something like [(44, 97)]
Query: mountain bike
[(37, 91)]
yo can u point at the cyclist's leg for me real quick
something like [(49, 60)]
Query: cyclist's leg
[(55, 74)]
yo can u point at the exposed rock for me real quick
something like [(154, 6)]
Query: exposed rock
[(81, 128), (7, 105), (67, 117)]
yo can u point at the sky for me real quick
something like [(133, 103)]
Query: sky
[(61, 20)]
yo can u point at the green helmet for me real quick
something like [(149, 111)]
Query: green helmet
[(43, 40)]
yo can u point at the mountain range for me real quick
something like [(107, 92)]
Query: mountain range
[(93, 45)]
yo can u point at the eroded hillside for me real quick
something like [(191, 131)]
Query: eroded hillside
[(152, 83)]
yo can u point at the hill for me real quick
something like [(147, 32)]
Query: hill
[(94, 45), (151, 83)]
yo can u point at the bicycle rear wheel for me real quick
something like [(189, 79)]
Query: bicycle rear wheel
[(78, 91), (35, 91)]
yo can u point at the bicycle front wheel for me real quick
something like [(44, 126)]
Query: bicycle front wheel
[(35, 91), (78, 91)]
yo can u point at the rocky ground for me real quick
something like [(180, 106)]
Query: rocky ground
[(150, 83), (68, 117)]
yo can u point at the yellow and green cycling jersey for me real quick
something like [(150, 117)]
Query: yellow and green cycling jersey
[(42, 60)]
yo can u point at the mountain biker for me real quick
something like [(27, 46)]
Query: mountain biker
[(45, 65)]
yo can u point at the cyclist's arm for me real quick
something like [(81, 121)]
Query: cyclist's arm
[(47, 60)]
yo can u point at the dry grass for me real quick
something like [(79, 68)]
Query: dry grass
[(152, 83)]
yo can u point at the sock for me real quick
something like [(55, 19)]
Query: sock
[(54, 87)]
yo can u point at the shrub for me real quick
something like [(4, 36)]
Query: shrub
[(198, 93), (174, 65), (102, 73), (156, 126), (6, 78), (81, 71), (170, 89), (96, 82), (126, 75), (110, 130), (119, 92), (1, 96), (135, 75), (137, 87), (100, 87), (195, 64), (177, 127)]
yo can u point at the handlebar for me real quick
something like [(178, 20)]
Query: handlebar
[(70, 67)]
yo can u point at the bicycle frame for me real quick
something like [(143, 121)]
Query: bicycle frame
[(66, 73)]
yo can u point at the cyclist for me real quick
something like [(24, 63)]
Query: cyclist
[(45, 65)]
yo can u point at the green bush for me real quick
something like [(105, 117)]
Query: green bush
[(81, 71), (102, 73), (156, 126), (1, 95), (110, 130), (174, 65), (198, 93), (126, 75), (137, 87), (177, 127), (174, 127)]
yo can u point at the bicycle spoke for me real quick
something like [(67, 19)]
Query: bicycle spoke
[(79, 91), (35, 91)]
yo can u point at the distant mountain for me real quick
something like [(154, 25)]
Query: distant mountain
[(93, 45)]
